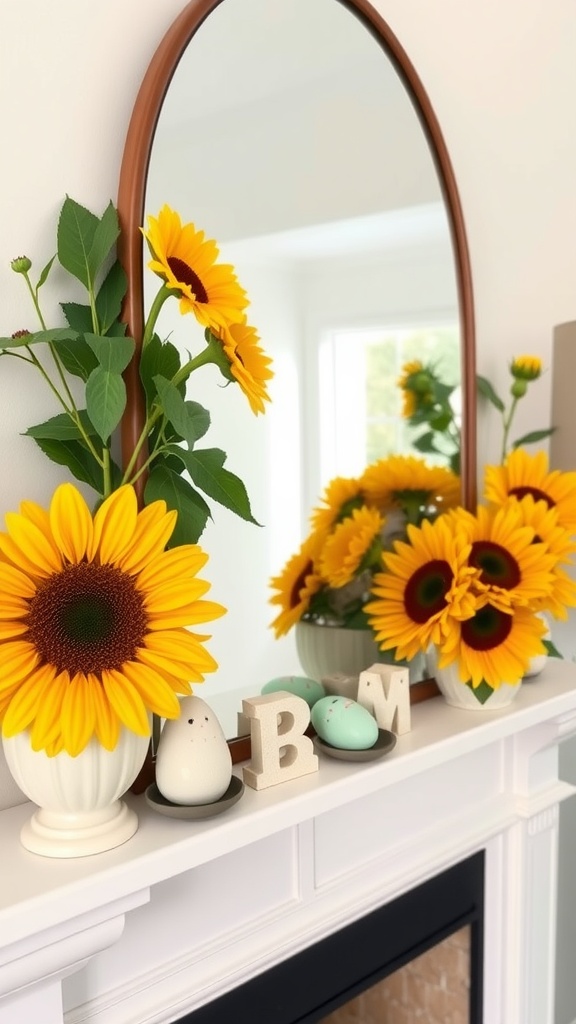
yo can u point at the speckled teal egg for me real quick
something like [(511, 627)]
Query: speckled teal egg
[(344, 723), (301, 686)]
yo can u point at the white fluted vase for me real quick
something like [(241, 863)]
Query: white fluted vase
[(79, 807), (460, 695), (327, 650)]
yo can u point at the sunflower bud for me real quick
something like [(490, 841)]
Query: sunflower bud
[(526, 368), (21, 265)]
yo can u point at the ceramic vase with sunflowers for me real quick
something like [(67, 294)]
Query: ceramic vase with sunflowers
[(93, 642)]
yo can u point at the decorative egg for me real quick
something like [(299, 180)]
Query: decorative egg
[(344, 723), (309, 689), (193, 762)]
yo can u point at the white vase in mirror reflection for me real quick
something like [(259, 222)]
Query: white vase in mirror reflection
[(80, 812), (460, 695), (330, 650), (193, 761)]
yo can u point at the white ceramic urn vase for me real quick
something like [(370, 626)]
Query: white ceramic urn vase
[(79, 807), (460, 695)]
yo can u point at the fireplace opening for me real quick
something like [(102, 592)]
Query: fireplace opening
[(310, 986)]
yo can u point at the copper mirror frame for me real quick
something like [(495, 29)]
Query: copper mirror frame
[(132, 193)]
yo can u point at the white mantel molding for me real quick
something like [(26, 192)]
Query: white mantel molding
[(185, 911)]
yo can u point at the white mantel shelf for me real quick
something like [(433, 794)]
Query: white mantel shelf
[(187, 910)]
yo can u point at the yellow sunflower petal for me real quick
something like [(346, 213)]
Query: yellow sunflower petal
[(177, 563), (71, 522), (154, 527), (19, 659), (126, 701), (156, 693), (28, 547), (46, 727), (77, 715), (114, 526), (24, 704), (106, 721)]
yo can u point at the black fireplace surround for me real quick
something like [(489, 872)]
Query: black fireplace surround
[(313, 983)]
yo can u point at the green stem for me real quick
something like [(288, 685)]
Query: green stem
[(204, 357), (106, 475), (507, 422), (164, 293), (34, 295)]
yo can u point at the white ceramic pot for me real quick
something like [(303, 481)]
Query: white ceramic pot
[(79, 807), (327, 650), (459, 695), (333, 650)]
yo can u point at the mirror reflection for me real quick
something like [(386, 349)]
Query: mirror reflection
[(287, 136)]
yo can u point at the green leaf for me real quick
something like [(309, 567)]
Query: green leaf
[(487, 391), (39, 337), (482, 692), (61, 427), (77, 357), (110, 296), (105, 401), (77, 316), (76, 457), (551, 650), (206, 469), (160, 358), (104, 239), (76, 230), (44, 275), (193, 512), (190, 420), (533, 436), (113, 353), (424, 443)]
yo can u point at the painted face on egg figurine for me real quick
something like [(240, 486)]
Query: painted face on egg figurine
[(193, 762), (344, 723)]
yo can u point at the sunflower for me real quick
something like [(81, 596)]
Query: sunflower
[(513, 567), (249, 365), (92, 620), (544, 521), (407, 482), (186, 261), (494, 646), (340, 497), (427, 586), (297, 584), (406, 383), (524, 474), (352, 547)]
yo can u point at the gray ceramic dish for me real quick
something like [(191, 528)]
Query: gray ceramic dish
[(384, 744), (194, 812)]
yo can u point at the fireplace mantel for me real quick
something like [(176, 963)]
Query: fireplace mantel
[(186, 911)]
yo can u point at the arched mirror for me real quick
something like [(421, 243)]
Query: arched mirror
[(299, 136)]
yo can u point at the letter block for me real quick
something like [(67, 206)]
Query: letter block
[(280, 750), (384, 690)]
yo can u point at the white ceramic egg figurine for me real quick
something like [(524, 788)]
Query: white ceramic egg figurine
[(193, 762)]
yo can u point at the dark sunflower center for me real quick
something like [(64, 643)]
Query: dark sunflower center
[(498, 567), (487, 629), (298, 584), (87, 618), (184, 273), (425, 592), (537, 494)]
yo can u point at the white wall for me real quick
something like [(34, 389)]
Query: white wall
[(501, 77)]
